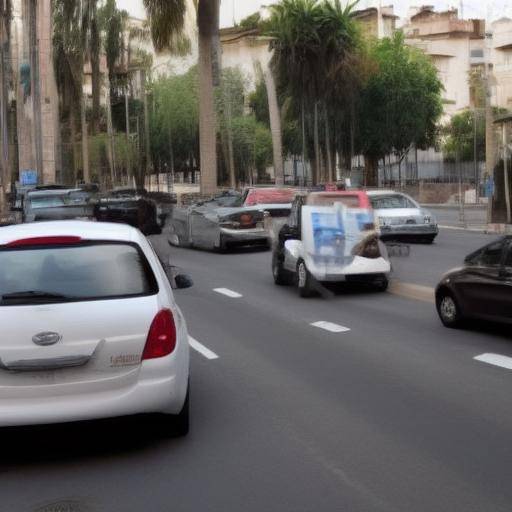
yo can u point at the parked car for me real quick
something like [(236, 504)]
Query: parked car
[(480, 289), (138, 212), (211, 225), (330, 237), (57, 204), (399, 217), (90, 327)]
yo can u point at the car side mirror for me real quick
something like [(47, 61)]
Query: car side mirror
[(289, 233), (178, 280), (183, 281)]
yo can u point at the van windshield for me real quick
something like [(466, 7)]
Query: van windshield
[(89, 271)]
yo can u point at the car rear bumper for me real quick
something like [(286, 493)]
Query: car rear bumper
[(359, 267), (410, 230), (244, 236), (153, 389)]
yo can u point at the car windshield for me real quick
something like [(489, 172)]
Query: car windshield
[(81, 272), (39, 202), (391, 201)]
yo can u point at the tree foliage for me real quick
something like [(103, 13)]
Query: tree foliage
[(175, 121), (400, 104)]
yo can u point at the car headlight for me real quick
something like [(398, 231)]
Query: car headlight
[(382, 221)]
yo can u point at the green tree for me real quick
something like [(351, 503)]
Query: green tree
[(175, 122), (460, 137), (252, 142), (400, 104), (316, 47)]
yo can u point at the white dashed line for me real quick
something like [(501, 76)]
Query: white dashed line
[(199, 347), (496, 360), (228, 293), (329, 326)]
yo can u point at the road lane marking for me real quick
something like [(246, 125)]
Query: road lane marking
[(228, 293), (412, 291), (329, 326), (199, 347), (495, 360), (462, 228)]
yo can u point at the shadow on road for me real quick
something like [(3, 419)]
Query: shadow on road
[(71, 441)]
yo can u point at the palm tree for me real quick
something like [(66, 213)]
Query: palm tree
[(5, 23), (167, 20), (75, 34), (294, 27)]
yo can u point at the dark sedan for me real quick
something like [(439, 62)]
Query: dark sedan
[(481, 289)]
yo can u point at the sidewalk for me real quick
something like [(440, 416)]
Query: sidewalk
[(449, 216)]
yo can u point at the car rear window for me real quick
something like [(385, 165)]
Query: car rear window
[(80, 272), (391, 201), (350, 201), (46, 202)]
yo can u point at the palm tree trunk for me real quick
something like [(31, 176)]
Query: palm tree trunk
[(275, 127), (208, 28), (316, 135), (111, 142), (303, 122), (330, 173), (4, 123), (85, 140), (72, 131), (95, 68)]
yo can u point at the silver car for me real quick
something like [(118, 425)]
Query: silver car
[(401, 217), (211, 225)]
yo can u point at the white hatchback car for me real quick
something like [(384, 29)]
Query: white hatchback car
[(89, 327)]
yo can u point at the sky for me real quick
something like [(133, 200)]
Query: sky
[(239, 9)]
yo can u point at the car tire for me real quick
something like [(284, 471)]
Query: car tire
[(222, 248), (177, 425), (382, 285), (281, 276), (174, 240), (304, 281), (448, 310), (428, 239)]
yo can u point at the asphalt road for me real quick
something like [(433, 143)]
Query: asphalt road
[(394, 414)]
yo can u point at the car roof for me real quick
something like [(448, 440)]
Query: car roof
[(383, 193), (84, 229), (53, 192)]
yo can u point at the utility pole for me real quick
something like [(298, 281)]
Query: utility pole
[(146, 123), (490, 161), (505, 171), (475, 157), (127, 114), (36, 88)]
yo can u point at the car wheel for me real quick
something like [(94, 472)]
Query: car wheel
[(281, 276), (382, 285), (177, 425), (428, 240), (449, 310), (174, 240), (222, 248), (304, 280)]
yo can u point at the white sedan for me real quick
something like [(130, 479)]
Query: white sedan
[(89, 327)]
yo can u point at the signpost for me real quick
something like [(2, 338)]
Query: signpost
[(28, 178)]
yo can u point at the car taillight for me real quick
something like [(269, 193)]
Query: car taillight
[(162, 336), (246, 219), (45, 240)]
